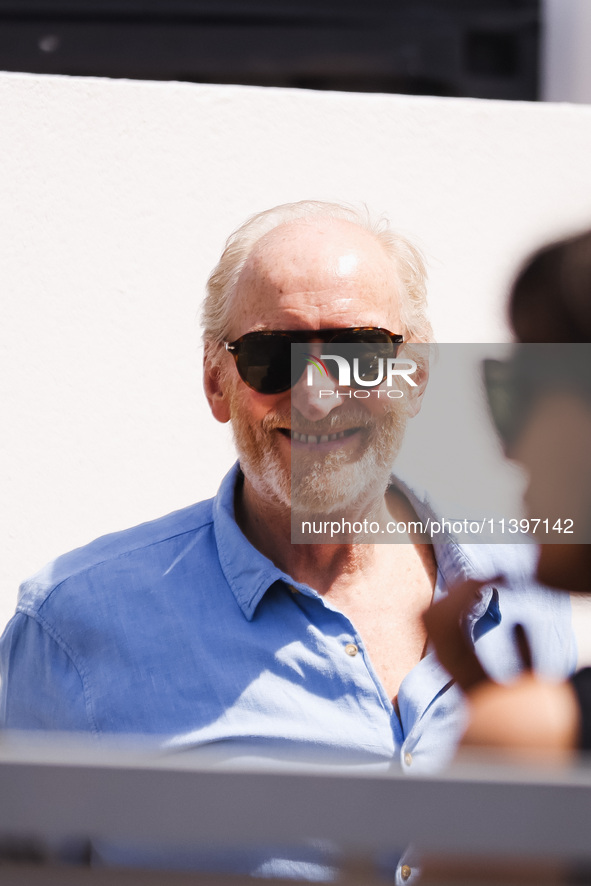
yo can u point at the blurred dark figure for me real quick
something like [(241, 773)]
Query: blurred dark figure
[(546, 427)]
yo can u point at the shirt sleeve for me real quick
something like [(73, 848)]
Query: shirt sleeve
[(40, 686), (581, 683)]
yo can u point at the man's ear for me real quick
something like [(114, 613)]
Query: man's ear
[(420, 377), (213, 385)]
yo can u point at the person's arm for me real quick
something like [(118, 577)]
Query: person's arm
[(41, 687), (531, 714)]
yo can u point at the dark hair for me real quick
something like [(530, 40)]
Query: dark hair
[(551, 296)]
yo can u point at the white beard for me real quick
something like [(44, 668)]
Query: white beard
[(314, 484)]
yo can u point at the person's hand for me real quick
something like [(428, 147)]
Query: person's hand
[(531, 714), (446, 625)]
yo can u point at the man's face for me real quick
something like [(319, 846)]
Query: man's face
[(325, 274)]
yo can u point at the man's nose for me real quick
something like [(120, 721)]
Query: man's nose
[(315, 395)]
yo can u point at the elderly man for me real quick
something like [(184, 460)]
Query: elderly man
[(210, 624)]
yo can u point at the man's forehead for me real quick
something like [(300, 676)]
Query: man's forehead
[(317, 254)]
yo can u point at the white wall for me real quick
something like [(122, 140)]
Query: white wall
[(116, 198), (566, 55)]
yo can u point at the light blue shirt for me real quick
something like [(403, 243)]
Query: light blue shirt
[(181, 630)]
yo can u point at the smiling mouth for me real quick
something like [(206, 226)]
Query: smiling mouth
[(318, 438)]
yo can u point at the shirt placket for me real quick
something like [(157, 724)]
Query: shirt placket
[(351, 653)]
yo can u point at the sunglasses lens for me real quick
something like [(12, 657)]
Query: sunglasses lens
[(264, 363), (501, 392)]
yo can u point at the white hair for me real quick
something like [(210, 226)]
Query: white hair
[(407, 261)]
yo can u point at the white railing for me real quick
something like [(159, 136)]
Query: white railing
[(57, 791)]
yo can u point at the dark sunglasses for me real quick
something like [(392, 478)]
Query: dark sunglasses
[(513, 386), (266, 362)]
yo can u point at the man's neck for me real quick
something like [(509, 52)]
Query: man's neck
[(267, 525)]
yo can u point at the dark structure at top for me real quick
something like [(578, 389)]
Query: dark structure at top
[(480, 48)]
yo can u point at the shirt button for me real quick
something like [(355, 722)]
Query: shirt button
[(405, 871), (293, 590), (351, 649), (408, 761)]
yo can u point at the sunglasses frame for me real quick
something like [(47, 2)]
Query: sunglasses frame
[(513, 385), (303, 336)]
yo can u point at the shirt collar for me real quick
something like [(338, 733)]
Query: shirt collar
[(455, 564), (248, 572)]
